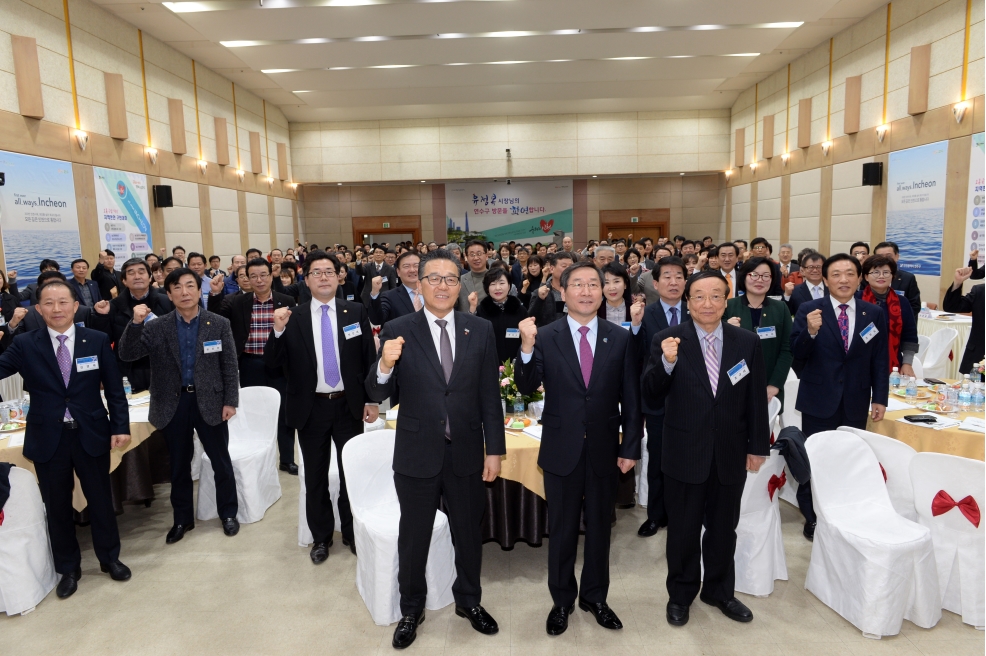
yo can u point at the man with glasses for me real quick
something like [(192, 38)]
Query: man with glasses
[(326, 350), (401, 300), (251, 317), (710, 377), (446, 365), (812, 288)]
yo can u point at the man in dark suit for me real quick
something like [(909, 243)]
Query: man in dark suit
[(326, 350), (194, 387), (377, 267), (972, 302), (251, 317), (840, 355), (711, 377), (904, 282), (403, 299), (446, 365), (63, 367), (86, 290), (97, 317), (670, 276), (137, 291), (591, 377), (105, 275), (812, 288)]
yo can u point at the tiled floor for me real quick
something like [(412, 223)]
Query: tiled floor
[(258, 593)]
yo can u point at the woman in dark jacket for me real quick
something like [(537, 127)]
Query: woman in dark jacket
[(902, 330), (617, 297), (503, 311), (535, 278)]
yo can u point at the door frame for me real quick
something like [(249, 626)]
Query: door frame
[(409, 223), (652, 222)]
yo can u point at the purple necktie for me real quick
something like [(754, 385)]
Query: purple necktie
[(844, 326), (329, 363), (674, 316), (585, 355), (712, 362), (64, 364)]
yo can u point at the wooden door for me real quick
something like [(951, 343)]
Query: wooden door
[(391, 225), (640, 223)]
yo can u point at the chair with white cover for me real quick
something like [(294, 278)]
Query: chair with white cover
[(773, 410), (923, 343), (253, 450), (27, 570), (894, 458), (759, 554), (869, 564), (791, 416), (642, 488), (935, 360), (368, 460), (918, 367), (948, 495)]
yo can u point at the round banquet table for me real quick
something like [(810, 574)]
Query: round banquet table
[(963, 324), (951, 441)]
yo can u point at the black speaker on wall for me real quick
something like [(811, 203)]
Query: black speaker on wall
[(162, 195), (873, 174)]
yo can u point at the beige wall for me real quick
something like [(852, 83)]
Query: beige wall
[(327, 211)]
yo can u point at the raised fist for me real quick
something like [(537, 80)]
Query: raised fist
[(473, 302), (102, 307), (19, 314), (528, 332), (377, 283), (281, 318), (543, 291), (788, 288), (734, 321), (217, 284), (140, 313), (637, 313), (670, 348), (814, 319), (391, 353)]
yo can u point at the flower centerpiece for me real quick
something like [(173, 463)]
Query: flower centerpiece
[(508, 388)]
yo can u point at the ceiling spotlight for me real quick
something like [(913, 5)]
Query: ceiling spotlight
[(82, 138), (152, 155), (825, 147), (958, 111), (881, 132)]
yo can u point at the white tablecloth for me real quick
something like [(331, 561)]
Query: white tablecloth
[(960, 323)]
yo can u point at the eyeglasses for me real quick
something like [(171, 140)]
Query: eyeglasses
[(435, 279), (880, 275), (758, 276), (578, 286), (758, 248), (258, 277), (715, 299), (322, 273), (813, 267)]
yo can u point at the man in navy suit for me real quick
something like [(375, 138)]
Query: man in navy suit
[(401, 300), (840, 355), (86, 290), (68, 428), (812, 288), (670, 275)]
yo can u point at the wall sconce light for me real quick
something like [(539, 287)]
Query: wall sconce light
[(82, 138), (240, 173), (270, 182), (203, 165), (958, 111), (825, 147), (294, 186), (728, 173), (785, 157), (152, 155), (753, 166), (881, 132)]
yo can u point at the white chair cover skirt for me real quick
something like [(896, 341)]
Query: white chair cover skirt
[(27, 570), (895, 457)]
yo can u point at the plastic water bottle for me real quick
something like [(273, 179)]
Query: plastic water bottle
[(965, 394), (895, 379), (912, 390), (127, 389), (978, 397), (26, 404), (518, 405)]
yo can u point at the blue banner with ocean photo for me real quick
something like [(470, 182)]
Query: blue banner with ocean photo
[(525, 211), (916, 206), (124, 219), (38, 215)]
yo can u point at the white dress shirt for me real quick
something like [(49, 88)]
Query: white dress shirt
[(574, 326), (436, 336), (850, 312), (69, 343), (316, 308)]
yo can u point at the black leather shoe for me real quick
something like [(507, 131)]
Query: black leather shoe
[(290, 468), (809, 531), (605, 616), (732, 608), (407, 630), (558, 619), (177, 532), (350, 543), (479, 618), (320, 552), (649, 528), (117, 570), (677, 614), (69, 583), (231, 526)]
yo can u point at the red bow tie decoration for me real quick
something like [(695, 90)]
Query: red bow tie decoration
[(942, 503), (775, 483), (883, 471), (1, 518)]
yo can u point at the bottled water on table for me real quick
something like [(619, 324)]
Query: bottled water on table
[(895, 378), (127, 389), (911, 392), (978, 397), (965, 394)]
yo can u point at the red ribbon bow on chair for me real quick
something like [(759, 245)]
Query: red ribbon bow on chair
[(942, 503), (775, 483), (883, 471), (1, 518)]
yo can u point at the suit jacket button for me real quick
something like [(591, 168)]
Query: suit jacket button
[(66, 399), (448, 393), (442, 422)]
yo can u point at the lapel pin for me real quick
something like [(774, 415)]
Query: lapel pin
[(606, 340), (345, 311), (465, 332)]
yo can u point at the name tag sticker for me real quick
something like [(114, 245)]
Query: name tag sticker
[(767, 332), (350, 297), (383, 279), (3, 322), (738, 372), (150, 317), (215, 346), (513, 333), (899, 293), (90, 363), (80, 324), (626, 325), (352, 330), (869, 333)]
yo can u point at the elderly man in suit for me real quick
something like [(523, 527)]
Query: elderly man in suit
[(669, 310), (446, 365), (972, 302), (194, 387), (710, 375), (376, 268), (403, 299), (68, 429), (591, 377)]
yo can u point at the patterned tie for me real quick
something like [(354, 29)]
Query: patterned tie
[(816, 292), (64, 364), (844, 326), (674, 316), (585, 355), (712, 362), (329, 364), (445, 353)]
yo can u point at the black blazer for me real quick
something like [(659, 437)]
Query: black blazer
[(390, 305), (700, 429), (239, 311), (654, 322), (85, 315), (295, 351), (121, 310), (93, 290), (470, 400), (801, 294), (906, 282), (574, 414), (367, 273), (508, 317), (108, 280), (32, 356), (954, 301)]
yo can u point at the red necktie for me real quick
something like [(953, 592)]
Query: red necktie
[(943, 502)]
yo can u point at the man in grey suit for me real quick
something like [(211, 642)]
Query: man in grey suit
[(194, 386)]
